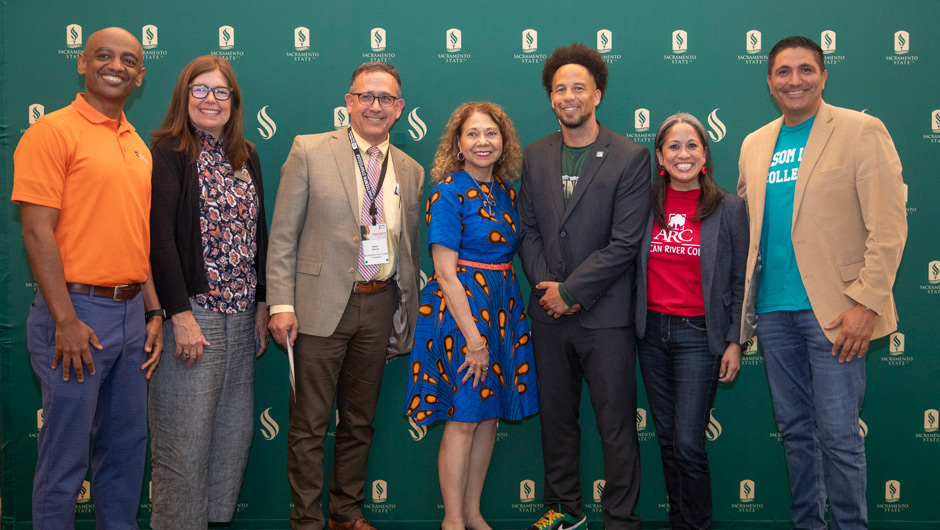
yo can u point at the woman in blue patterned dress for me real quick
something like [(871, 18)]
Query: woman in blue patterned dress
[(472, 362)]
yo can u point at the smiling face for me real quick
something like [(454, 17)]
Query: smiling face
[(373, 122), (113, 66), (574, 95), (797, 81), (210, 114), (683, 156), (481, 144)]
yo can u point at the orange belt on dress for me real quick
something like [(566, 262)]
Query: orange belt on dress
[(487, 266)]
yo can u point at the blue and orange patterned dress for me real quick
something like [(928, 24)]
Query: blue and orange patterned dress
[(458, 219)]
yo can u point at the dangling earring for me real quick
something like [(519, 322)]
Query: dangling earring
[(704, 170), (502, 158), (662, 172), (460, 156)]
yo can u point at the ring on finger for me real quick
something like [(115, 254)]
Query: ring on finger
[(486, 369)]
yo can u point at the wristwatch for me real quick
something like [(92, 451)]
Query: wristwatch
[(155, 313)]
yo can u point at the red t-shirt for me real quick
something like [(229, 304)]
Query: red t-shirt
[(675, 267)]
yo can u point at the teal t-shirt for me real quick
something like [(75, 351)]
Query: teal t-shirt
[(781, 286)]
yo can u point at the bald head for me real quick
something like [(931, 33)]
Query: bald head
[(113, 64)]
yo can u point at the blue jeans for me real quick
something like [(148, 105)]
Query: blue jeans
[(816, 401), (111, 406), (681, 377)]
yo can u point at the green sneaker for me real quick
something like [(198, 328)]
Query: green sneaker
[(553, 520)]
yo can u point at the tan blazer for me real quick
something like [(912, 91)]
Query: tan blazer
[(849, 219), (314, 243)]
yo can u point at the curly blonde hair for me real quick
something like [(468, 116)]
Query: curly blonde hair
[(445, 159)]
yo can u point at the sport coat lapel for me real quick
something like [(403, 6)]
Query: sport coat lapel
[(708, 248), (593, 162), (818, 136), (342, 155), (757, 179), (553, 180)]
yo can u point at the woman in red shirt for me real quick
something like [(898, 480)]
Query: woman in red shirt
[(688, 310)]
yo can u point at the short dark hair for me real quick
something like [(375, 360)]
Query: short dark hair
[(375, 66), (580, 54), (796, 41)]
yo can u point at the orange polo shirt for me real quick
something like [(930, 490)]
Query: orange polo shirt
[(96, 172)]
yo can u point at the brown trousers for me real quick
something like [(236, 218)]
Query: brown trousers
[(347, 365)]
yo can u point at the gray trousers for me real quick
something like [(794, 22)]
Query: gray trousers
[(201, 422)]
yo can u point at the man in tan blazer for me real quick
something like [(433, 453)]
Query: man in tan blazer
[(343, 288), (827, 222)]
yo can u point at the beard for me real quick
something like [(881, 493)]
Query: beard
[(573, 123)]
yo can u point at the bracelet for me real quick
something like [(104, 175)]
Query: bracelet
[(474, 350), (155, 313)]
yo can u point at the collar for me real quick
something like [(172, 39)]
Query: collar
[(383, 147), (206, 139), (95, 116)]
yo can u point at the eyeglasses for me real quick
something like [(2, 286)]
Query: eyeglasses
[(202, 92), (367, 99)]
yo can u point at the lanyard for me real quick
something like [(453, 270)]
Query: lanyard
[(371, 195)]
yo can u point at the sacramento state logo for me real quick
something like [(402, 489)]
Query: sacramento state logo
[(227, 44), (902, 50), (36, 111), (716, 128), (269, 427), (713, 429), (73, 36), (526, 490), (530, 47), (418, 128), (827, 41), (149, 38), (301, 52), (268, 126), (747, 497), (340, 117), (752, 48), (680, 48), (378, 42), (897, 355), (453, 43), (892, 503)]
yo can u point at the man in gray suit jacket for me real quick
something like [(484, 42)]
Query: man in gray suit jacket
[(583, 206), (343, 288)]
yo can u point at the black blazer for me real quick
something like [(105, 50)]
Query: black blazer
[(724, 242), (590, 246), (175, 235)]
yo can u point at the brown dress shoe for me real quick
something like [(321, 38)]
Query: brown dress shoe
[(359, 524)]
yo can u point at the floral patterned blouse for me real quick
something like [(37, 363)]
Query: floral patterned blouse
[(228, 218)]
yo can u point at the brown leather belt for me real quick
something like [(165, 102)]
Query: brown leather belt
[(117, 293), (369, 287)]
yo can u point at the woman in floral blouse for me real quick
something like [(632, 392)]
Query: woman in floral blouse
[(208, 244)]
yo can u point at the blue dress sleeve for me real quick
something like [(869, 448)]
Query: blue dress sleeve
[(445, 216)]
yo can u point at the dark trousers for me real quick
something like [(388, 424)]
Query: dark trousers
[(681, 377), (567, 354), (347, 365)]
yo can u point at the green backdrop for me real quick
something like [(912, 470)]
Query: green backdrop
[(294, 58)]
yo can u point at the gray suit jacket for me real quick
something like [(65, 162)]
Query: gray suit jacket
[(314, 243), (590, 246), (724, 241)]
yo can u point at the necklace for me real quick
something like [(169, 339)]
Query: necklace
[(487, 197)]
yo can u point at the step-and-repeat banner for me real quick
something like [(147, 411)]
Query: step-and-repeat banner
[(294, 58)]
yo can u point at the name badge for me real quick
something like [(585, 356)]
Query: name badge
[(374, 244)]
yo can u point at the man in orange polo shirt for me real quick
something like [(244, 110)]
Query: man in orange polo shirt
[(82, 180)]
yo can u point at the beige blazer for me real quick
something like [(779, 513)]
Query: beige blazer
[(314, 243), (849, 218)]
